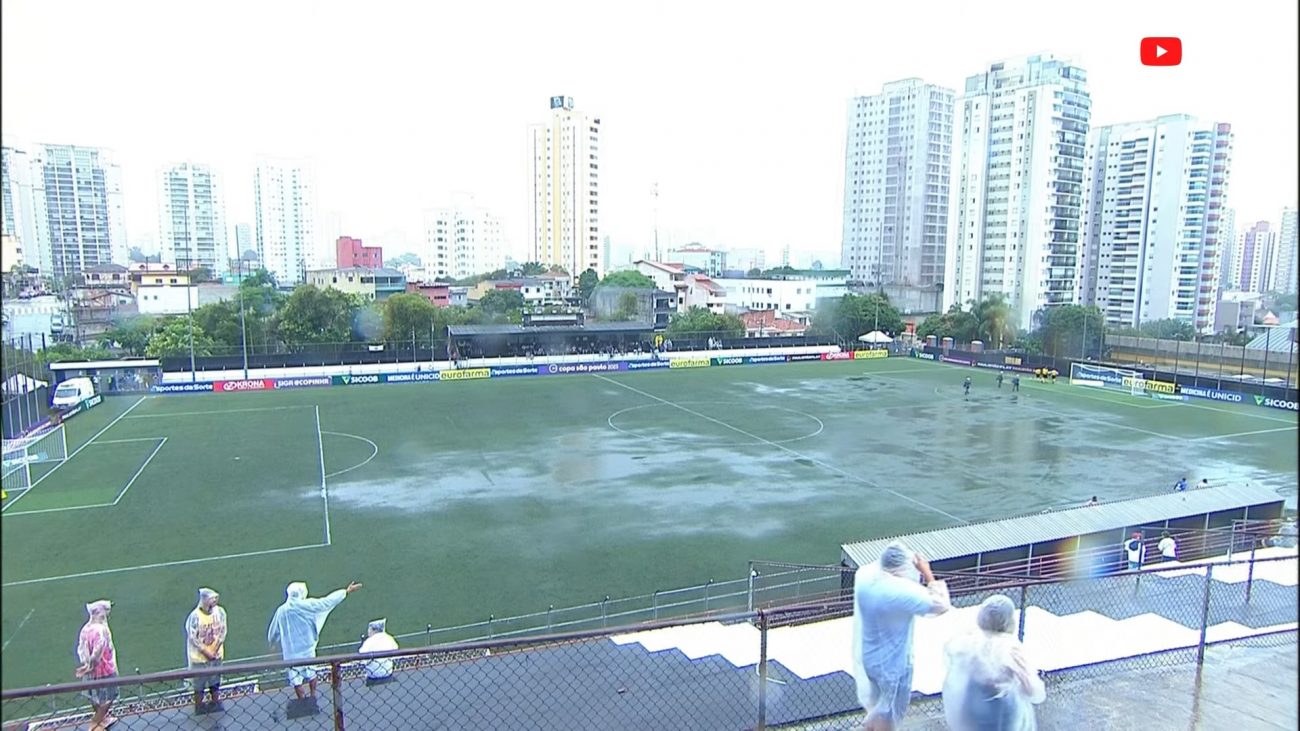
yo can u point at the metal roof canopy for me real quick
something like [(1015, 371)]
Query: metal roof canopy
[(997, 535), (588, 328)]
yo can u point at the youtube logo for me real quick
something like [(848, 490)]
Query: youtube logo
[(1161, 51)]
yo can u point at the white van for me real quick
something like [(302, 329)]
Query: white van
[(72, 392)]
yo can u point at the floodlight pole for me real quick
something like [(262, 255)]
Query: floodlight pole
[(189, 283), (243, 325)]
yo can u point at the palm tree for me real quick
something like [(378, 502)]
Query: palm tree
[(996, 323)]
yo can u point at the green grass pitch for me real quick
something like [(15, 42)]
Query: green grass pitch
[(454, 501)]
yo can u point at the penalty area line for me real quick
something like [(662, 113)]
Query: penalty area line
[(163, 564)]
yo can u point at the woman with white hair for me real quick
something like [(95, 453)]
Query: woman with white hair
[(990, 684), (98, 658)]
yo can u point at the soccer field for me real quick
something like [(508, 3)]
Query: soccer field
[(459, 500)]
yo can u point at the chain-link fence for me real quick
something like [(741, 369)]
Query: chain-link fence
[(772, 667)]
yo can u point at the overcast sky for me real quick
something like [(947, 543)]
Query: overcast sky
[(736, 109)]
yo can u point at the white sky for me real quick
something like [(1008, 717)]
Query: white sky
[(735, 108)]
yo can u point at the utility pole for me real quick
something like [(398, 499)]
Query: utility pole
[(243, 326), (658, 255)]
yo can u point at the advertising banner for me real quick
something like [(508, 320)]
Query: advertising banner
[(640, 365), (1150, 386), (89, 403), (421, 377), (302, 382), (734, 360), (466, 374), (1276, 403), (253, 384), (525, 370), (357, 379), (959, 361), (566, 368), (923, 355), (866, 354), (806, 356), (763, 359), (1213, 394), (689, 363), (837, 356), (181, 387)]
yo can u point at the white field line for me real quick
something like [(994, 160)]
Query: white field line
[(127, 441), (373, 453), (164, 564), (75, 452), (218, 412), (1117, 425), (783, 448), (161, 441), (324, 491), (5, 646), (1245, 433)]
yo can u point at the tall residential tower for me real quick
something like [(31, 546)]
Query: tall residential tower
[(192, 219), (1023, 128), (897, 163), (564, 159), (285, 207), (1154, 229)]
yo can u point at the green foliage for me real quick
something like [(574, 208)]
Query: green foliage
[(530, 269), (406, 315), (130, 334), (71, 352), (1062, 330), (587, 283), (1168, 329), (628, 279), (995, 322), (956, 323), (478, 278), (198, 275), (314, 315), (173, 339), (1285, 302), (407, 258), (502, 301), (628, 307), (853, 315), (699, 321), (754, 273), (779, 271)]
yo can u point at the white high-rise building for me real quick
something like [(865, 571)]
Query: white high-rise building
[(897, 164), (192, 218), (66, 201), (1153, 226), (284, 196), (1228, 250), (1284, 277), (1018, 193), (462, 240), (564, 158), (1254, 258), (244, 240)]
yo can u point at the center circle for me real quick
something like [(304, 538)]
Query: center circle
[(620, 421)]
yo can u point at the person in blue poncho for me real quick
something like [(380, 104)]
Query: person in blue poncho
[(296, 626)]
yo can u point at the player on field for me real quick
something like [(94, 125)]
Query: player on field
[(966, 385), (999, 380)]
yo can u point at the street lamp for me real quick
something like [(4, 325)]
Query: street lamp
[(189, 283), (243, 326)]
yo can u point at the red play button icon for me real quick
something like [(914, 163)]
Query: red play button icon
[(1162, 51)]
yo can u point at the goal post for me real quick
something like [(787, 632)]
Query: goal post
[(37, 454), (1098, 376)]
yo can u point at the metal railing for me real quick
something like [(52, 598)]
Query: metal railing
[(602, 678)]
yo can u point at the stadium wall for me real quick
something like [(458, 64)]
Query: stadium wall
[(507, 368), (1178, 386)]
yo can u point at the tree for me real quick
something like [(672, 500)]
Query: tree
[(629, 279), (853, 315), (628, 307), (502, 301), (754, 273), (780, 271), (130, 334), (699, 321), (531, 269), (557, 269), (407, 258), (70, 352), (174, 340), (587, 283), (406, 315), (314, 315), (1062, 330), (956, 323), (201, 274), (994, 321), (1168, 329)]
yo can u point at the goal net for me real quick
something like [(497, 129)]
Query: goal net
[(33, 455), (1086, 374)]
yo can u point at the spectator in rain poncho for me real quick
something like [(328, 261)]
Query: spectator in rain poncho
[(378, 640), (887, 598), (296, 629), (990, 685), (98, 658)]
